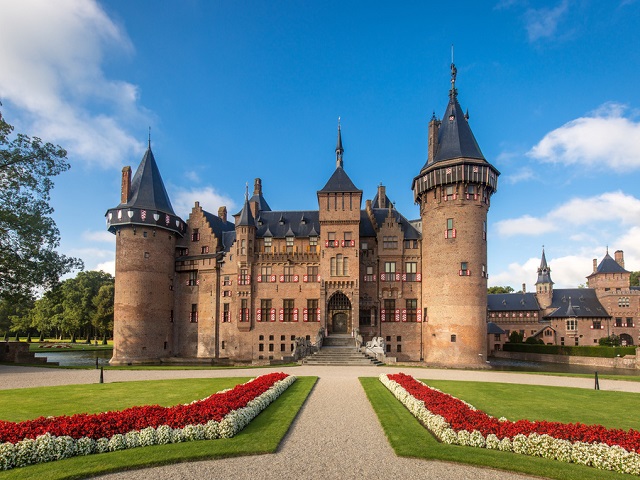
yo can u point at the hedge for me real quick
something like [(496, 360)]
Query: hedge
[(584, 351)]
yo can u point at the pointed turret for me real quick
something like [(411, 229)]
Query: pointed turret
[(544, 284), (544, 272), (147, 202), (339, 181), (246, 217)]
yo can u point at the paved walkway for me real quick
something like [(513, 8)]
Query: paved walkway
[(335, 436)]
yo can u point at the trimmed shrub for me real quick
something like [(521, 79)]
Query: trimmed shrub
[(580, 351)]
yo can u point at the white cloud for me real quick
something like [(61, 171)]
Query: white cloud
[(525, 225), (543, 22), (99, 236), (210, 200), (51, 55), (611, 207), (521, 175), (108, 267), (604, 139)]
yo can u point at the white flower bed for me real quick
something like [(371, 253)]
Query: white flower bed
[(48, 448), (597, 455)]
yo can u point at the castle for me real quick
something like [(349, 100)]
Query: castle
[(570, 316), (244, 290)]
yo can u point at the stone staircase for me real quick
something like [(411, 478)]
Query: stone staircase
[(339, 350)]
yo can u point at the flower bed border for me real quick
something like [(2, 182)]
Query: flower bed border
[(48, 447), (596, 454)]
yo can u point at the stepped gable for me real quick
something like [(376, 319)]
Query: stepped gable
[(576, 302), (218, 227), (512, 302), (410, 232)]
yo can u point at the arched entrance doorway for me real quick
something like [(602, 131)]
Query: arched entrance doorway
[(339, 310), (626, 339)]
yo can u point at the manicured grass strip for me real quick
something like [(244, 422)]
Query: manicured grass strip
[(28, 403), (262, 435), (556, 404), (409, 438)]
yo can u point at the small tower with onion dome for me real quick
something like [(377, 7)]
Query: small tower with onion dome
[(146, 229), (454, 190)]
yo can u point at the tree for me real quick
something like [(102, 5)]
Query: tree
[(633, 279), (28, 234), (78, 294), (515, 337), (507, 289), (103, 302)]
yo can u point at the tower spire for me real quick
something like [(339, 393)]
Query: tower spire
[(149, 137), (339, 149)]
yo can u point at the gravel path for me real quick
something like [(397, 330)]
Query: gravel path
[(335, 436)]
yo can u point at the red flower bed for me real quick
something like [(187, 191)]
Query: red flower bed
[(461, 417), (105, 425)]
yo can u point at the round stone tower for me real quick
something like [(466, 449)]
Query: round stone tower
[(453, 190), (146, 229)]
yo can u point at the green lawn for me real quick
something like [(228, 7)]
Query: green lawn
[(262, 435), (410, 439)]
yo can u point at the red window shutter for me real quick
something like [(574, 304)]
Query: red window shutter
[(305, 278), (273, 279), (468, 273), (419, 316), (259, 278), (305, 315), (446, 234), (454, 233), (326, 243), (397, 315), (418, 277), (282, 314), (281, 278), (342, 243), (273, 314), (296, 278), (295, 314), (404, 314), (383, 316), (318, 315), (258, 315), (460, 272)]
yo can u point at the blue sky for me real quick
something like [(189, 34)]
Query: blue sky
[(241, 89)]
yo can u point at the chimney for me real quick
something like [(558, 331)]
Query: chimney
[(524, 288), (434, 127), (222, 213), (126, 185), (595, 265), (368, 205), (619, 256), (382, 194), (257, 187)]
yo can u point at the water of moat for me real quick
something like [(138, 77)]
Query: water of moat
[(88, 359)]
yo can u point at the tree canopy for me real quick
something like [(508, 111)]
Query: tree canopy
[(633, 280), (496, 289), (28, 234)]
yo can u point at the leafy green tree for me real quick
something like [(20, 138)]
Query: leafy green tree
[(47, 312), (634, 281), (515, 337), (28, 234), (507, 289), (610, 341), (103, 303), (78, 294)]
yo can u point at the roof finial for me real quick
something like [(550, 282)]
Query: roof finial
[(246, 191), (339, 149), (149, 137), (454, 73)]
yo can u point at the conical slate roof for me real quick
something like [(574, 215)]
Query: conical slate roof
[(544, 272), (147, 188), (609, 265), (340, 182), (246, 217), (455, 138)]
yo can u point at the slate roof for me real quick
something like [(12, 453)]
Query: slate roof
[(147, 188), (609, 265), (375, 201), (340, 182), (281, 224), (576, 302), (544, 272), (217, 225), (262, 203), (246, 217), (493, 329), (455, 139), (512, 302)]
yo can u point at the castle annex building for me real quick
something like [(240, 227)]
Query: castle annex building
[(245, 288), (571, 316)]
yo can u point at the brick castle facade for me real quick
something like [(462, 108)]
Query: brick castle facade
[(242, 289)]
